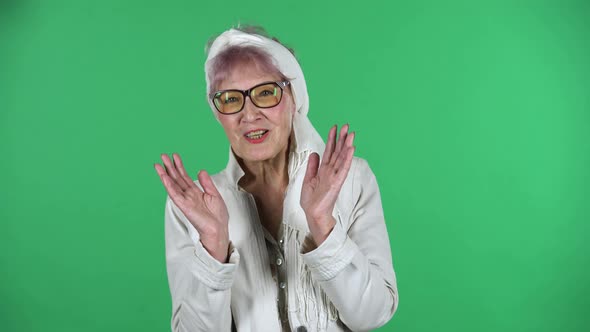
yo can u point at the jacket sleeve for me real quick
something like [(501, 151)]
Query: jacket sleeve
[(200, 286), (353, 265)]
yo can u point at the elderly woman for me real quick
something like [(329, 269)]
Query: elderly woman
[(290, 236)]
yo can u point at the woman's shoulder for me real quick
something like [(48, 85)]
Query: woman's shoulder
[(360, 165), (360, 177), (360, 172)]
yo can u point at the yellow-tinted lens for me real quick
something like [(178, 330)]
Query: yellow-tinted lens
[(267, 95), (228, 101)]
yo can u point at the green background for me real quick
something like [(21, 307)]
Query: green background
[(475, 117)]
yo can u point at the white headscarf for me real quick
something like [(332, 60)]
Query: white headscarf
[(283, 59), (306, 137)]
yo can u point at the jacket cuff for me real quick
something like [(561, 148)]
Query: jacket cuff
[(331, 257), (212, 272)]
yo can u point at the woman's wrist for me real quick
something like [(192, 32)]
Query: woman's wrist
[(320, 227), (217, 248)]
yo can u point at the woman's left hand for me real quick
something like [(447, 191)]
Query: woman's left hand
[(321, 187)]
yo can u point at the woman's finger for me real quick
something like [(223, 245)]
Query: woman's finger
[(342, 171), (329, 146), (160, 170), (340, 144), (172, 172), (170, 184), (182, 170), (174, 191), (312, 167), (343, 155), (207, 183)]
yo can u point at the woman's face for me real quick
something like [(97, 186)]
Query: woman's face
[(276, 120)]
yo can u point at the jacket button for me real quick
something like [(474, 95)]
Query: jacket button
[(301, 329), (279, 261)]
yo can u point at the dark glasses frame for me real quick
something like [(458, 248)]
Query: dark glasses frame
[(246, 93)]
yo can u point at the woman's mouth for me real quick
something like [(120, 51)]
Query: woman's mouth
[(256, 136)]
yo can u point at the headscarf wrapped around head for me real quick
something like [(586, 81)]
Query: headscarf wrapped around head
[(282, 58), (306, 136)]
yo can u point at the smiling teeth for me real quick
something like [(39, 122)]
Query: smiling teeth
[(256, 134)]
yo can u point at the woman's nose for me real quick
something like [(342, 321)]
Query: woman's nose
[(251, 112)]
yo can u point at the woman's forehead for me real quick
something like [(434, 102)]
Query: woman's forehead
[(245, 77)]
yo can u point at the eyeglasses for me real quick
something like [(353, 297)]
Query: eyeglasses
[(263, 95)]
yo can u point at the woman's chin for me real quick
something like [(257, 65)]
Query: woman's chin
[(258, 152), (255, 154), (258, 156)]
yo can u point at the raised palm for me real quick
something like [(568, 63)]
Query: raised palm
[(204, 208), (322, 183)]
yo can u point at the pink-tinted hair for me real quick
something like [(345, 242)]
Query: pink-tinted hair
[(237, 55)]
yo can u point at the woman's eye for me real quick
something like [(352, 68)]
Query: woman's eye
[(230, 100), (265, 93)]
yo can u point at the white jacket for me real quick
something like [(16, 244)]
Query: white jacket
[(347, 283)]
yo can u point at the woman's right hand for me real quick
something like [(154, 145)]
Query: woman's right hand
[(205, 209)]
